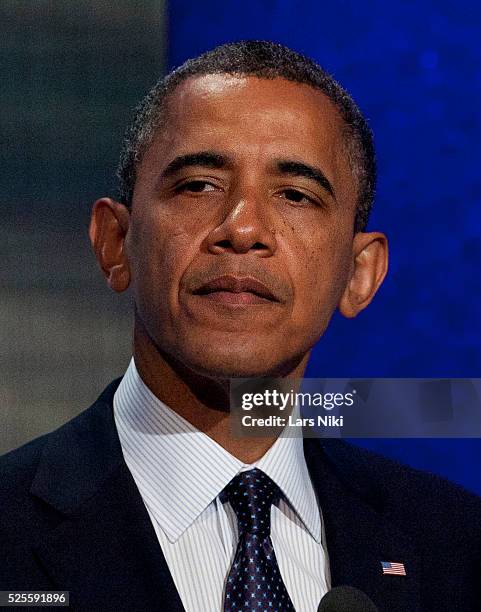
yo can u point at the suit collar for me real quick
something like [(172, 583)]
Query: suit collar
[(79, 457)]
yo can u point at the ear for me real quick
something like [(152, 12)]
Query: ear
[(107, 231), (368, 269)]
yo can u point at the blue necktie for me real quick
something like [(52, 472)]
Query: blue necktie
[(254, 582)]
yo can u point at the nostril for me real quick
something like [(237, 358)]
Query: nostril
[(241, 245), (225, 244)]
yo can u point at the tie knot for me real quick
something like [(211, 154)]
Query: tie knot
[(251, 495)]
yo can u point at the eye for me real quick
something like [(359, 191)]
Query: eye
[(298, 197), (196, 186)]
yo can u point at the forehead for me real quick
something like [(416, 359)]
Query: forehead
[(247, 102), (253, 118), (279, 96)]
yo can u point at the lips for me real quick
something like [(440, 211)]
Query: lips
[(247, 289)]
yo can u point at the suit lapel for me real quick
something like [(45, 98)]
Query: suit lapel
[(358, 535), (103, 548)]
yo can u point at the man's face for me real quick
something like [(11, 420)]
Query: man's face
[(241, 231)]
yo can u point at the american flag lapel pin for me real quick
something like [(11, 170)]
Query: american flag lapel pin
[(393, 568)]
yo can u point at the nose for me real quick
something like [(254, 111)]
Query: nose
[(244, 227)]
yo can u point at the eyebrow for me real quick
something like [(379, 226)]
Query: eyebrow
[(212, 159), (207, 159), (295, 168)]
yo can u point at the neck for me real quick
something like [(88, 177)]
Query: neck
[(201, 400)]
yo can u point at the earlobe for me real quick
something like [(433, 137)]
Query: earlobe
[(369, 267), (108, 228)]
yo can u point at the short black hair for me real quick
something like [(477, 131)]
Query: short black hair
[(266, 60)]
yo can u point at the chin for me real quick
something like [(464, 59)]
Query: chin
[(239, 362)]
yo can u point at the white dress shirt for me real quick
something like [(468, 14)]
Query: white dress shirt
[(180, 472)]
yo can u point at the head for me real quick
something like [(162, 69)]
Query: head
[(246, 182)]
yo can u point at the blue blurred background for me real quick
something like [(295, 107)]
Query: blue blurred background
[(415, 70)]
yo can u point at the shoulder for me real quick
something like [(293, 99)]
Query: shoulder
[(61, 446), (411, 497), (401, 479), (18, 467)]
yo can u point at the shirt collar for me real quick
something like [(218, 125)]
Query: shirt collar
[(180, 470)]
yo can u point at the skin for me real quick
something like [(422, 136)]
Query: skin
[(247, 217)]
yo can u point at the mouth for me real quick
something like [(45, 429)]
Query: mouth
[(236, 290)]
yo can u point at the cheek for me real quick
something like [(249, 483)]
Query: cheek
[(161, 250), (319, 266)]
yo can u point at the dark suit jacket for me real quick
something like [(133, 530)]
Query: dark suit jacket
[(72, 519)]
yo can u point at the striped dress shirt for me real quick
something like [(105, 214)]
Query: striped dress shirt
[(180, 472)]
